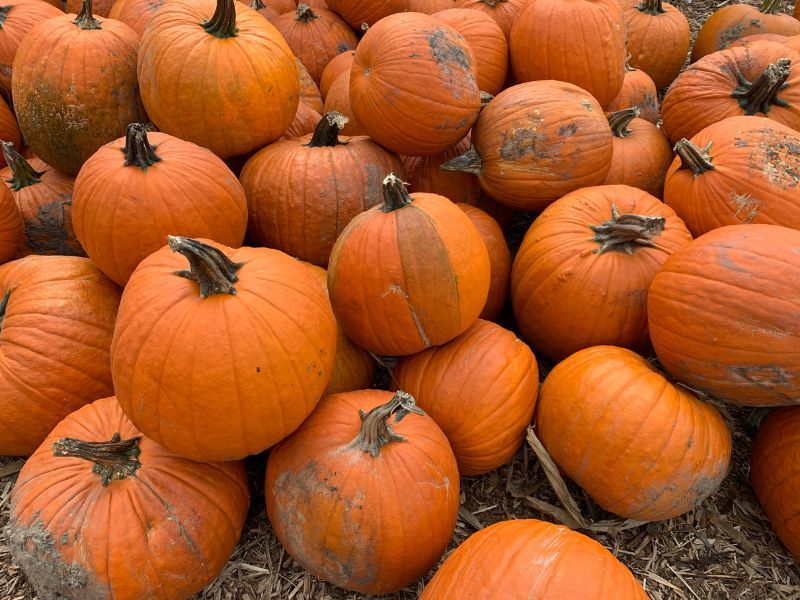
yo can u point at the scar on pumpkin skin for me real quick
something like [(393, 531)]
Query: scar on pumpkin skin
[(396, 289)]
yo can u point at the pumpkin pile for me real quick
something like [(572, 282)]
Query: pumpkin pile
[(230, 229)]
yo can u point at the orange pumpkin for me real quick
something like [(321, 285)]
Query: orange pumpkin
[(305, 121), (136, 14), (207, 84), (413, 84), (360, 12), (12, 230), (9, 129), (338, 100), (793, 42), (133, 496), (722, 314), (339, 64), (268, 12), (503, 12), (359, 455), (429, 7), (309, 92), (637, 90), (640, 446), (760, 37)]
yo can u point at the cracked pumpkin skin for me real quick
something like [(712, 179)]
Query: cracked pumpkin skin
[(148, 533)]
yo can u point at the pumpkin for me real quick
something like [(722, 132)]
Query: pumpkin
[(257, 339), (793, 42), (409, 274), (536, 142), (284, 6), (360, 455), (503, 12), (167, 184), (17, 18), (480, 388), (722, 314), (338, 100), (100, 8), (736, 21), (758, 79), (315, 36), (429, 7), (642, 154), (740, 170), (44, 198), (305, 121), (9, 130), (658, 39), (640, 446), (302, 193), (488, 44), (309, 92), (136, 14), (360, 12), (318, 4), (581, 275), (637, 90), (759, 37), (594, 57), (57, 320), (773, 472), (12, 231), (206, 84), (139, 534), (499, 260), (268, 12), (339, 64), (65, 119), (413, 85), (536, 560)]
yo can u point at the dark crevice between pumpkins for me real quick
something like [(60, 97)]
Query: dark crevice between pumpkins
[(623, 233), (22, 173), (760, 95), (698, 160), (326, 133), (620, 121), (395, 194), (4, 10), (85, 19), (223, 22), (493, 3), (651, 7), (4, 307), (113, 460), (305, 13), (138, 150), (376, 430), (257, 5), (213, 272), (469, 162)]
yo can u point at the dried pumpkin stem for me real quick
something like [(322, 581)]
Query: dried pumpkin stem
[(138, 151), (85, 19), (214, 272), (395, 194), (257, 5), (651, 7), (114, 460), (622, 233), (22, 173), (305, 13), (621, 119), (469, 162), (699, 160), (486, 97), (376, 430), (223, 22), (326, 134), (759, 96)]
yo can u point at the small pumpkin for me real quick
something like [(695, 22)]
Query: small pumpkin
[(365, 12), (305, 121), (339, 64), (309, 92), (136, 14), (338, 100), (637, 90), (503, 12), (9, 129)]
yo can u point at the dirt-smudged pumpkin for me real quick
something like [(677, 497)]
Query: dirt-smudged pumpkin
[(100, 511), (226, 358), (216, 73), (413, 84), (383, 475), (723, 314), (640, 446), (408, 274)]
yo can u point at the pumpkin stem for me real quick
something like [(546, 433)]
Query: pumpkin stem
[(209, 267), (326, 134), (469, 162), (138, 151), (395, 194), (376, 430), (622, 233), (486, 97), (620, 120), (759, 96), (305, 13), (651, 7), (4, 10), (699, 160), (22, 173), (116, 459), (769, 6), (85, 19), (257, 5), (222, 24)]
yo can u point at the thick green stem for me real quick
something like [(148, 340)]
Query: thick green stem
[(305, 13), (376, 431), (621, 119), (214, 272), (651, 7), (113, 460), (395, 194), (223, 23), (622, 233), (85, 19), (469, 162), (138, 151), (326, 134), (759, 96), (22, 173), (698, 160)]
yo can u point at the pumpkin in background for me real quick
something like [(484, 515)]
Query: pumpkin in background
[(305, 121), (268, 12), (12, 229), (100, 8), (139, 535), (206, 84), (339, 64), (480, 388), (66, 119), (429, 7), (581, 275), (793, 42), (736, 21), (658, 39), (360, 456), (256, 336), (488, 44), (285, 6), (409, 274), (713, 88), (309, 92), (503, 12), (536, 560), (413, 84), (723, 314), (637, 90), (640, 446), (9, 129), (138, 189), (360, 12), (44, 198), (774, 473), (136, 14), (338, 100), (593, 58), (642, 154), (302, 193), (57, 320), (536, 142), (737, 171), (315, 36)]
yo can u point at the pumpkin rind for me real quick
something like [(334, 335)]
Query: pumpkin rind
[(338, 100), (304, 122), (12, 232), (309, 92), (503, 12), (359, 12), (339, 64), (136, 14), (637, 90)]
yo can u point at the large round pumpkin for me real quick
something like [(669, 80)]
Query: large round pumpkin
[(216, 73), (413, 84), (256, 339), (57, 320), (503, 12), (366, 12), (100, 511), (409, 274), (723, 314), (637, 90), (640, 446), (65, 119), (365, 494)]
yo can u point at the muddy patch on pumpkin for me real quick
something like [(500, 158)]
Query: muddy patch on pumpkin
[(745, 207), (50, 232), (778, 159), (764, 376), (731, 34), (455, 65), (529, 142)]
